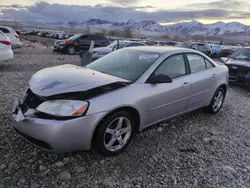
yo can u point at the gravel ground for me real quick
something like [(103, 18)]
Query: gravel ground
[(195, 150)]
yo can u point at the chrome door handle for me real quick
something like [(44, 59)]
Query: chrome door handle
[(214, 75), (185, 84)]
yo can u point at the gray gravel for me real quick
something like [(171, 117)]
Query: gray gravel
[(195, 150)]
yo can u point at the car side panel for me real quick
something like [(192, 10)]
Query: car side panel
[(167, 99), (202, 87)]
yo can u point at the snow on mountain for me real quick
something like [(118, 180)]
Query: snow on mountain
[(183, 28), (219, 24), (96, 22), (218, 28), (233, 27), (148, 25)]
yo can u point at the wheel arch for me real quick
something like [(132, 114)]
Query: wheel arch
[(133, 111), (223, 86)]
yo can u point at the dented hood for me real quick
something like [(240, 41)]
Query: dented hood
[(68, 78), (237, 62)]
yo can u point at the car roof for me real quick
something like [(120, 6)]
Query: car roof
[(163, 49), (6, 27), (130, 41)]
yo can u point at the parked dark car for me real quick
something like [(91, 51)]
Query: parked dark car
[(202, 47), (238, 64), (79, 42), (167, 43), (225, 52), (149, 43)]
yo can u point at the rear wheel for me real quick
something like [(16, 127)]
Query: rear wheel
[(114, 134), (71, 50), (217, 101)]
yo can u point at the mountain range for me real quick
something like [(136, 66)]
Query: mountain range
[(183, 28)]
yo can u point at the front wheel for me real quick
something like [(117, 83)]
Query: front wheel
[(217, 101), (114, 134), (71, 50)]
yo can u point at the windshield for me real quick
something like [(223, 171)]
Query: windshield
[(241, 54), (125, 63)]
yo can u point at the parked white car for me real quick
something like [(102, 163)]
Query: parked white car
[(102, 51), (6, 52), (13, 36)]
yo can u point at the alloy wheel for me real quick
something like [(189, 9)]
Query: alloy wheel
[(218, 100), (117, 134), (71, 50)]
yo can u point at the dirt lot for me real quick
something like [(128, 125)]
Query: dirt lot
[(196, 150)]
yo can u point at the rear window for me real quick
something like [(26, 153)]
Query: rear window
[(74, 37), (4, 30)]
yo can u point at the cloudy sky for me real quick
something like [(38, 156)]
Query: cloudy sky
[(163, 11)]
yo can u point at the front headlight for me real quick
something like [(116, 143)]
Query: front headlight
[(63, 107)]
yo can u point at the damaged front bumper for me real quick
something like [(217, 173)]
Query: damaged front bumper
[(55, 135), (239, 76)]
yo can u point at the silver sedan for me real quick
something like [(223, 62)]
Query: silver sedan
[(101, 106)]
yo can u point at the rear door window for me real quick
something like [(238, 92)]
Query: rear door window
[(4, 30), (83, 38), (196, 62), (195, 46), (96, 37), (201, 47)]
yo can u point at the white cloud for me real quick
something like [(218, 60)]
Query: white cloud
[(79, 13)]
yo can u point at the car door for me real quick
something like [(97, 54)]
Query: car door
[(194, 46), (83, 42), (103, 41), (169, 99), (202, 48), (203, 77)]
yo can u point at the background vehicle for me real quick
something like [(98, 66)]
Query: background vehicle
[(215, 50), (6, 52), (202, 47), (102, 51), (166, 43), (238, 64), (79, 42), (80, 107), (13, 36)]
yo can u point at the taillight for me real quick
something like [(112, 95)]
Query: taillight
[(17, 36), (69, 41), (5, 42)]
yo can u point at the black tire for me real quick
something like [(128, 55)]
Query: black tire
[(211, 109), (100, 133), (71, 50)]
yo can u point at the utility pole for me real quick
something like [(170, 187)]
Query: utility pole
[(15, 24)]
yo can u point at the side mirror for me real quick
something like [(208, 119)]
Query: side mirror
[(159, 79)]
